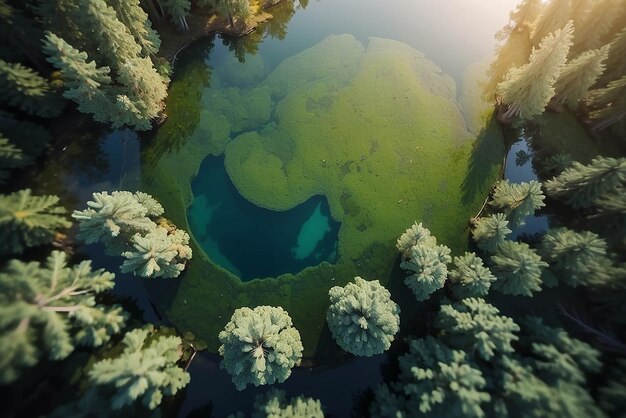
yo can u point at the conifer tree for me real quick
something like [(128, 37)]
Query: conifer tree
[(145, 370), (23, 88), (416, 234), (130, 13), (578, 75), (553, 16), (518, 269), (613, 391), (85, 83), (557, 163), (428, 267), (434, 381), (477, 327), (608, 104), (594, 21), (234, 8), (581, 185), (48, 310), (178, 10), (527, 90), (27, 220), (575, 257), (260, 346), (517, 200), (362, 318), (490, 232), (274, 404), (10, 157), (470, 277), (615, 63)]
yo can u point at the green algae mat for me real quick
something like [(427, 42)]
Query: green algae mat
[(375, 129)]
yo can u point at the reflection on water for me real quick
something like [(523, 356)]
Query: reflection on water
[(253, 242)]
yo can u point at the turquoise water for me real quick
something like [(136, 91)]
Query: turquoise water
[(253, 242)]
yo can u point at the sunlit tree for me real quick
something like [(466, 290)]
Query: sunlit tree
[(526, 90), (517, 200), (553, 16), (608, 104), (130, 13), (491, 231), (518, 269), (578, 75), (469, 277)]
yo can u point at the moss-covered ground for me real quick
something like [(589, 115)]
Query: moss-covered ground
[(375, 128)]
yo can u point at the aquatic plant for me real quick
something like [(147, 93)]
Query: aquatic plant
[(469, 277), (274, 404), (259, 346), (362, 317), (415, 235), (526, 90), (428, 264), (574, 256), (434, 380), (49, 309), (490, 232), (477, 327), (158, 254), (145, 369), (27, 220), (580, 185), (518, 269), (517, 200)]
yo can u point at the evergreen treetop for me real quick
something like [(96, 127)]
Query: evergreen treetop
[(49, 309), (581, 185), (477, 327), (579, 75), (428, 267), (274, 404), (362, 318), (23, 88), (27, 220), (130, 13), (517, 200), (146, 369), (528, 89), (416, 234), (518, 269), (491, 231), (259, 346), (608, 104), (469, 277), (434, 381)]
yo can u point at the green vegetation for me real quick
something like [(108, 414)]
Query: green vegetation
[(518, 269), (260, 346), (362, 317), (49, 310), (517, 200), (27, 220), (122, 222), (274, 404), (491, 231), (470, 277), (428, 265)]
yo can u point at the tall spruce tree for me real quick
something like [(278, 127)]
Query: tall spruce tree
[(85, 83), (26, 90), (517, 200), (578, 75), (581, 185), (553, 16), (234, 9), (518, 269), (178, 10), (615, 62), (527, 90), (595, 20), (608, 104), (130, 13)]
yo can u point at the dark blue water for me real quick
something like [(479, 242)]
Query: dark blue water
[(254, 242)]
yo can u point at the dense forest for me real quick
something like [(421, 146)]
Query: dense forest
[(529, 325)]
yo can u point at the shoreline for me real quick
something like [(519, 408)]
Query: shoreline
[(204, 24)]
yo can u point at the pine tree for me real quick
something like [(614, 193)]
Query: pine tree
[(575, 257), (477, 327), (553, 16), (490, 232), (578, 75), (234, 8), (145, 370), (518, 269), (581, 185), (178, 10), (608, 104), (49, 309), (130, 13), (27, 220), (362, 318), (23, 88), (615, 62), (470, 278), (274, 404), (416, 234), (85, 83), (10, 157), (428, 267), (517, 200), (434, 381), (260, 346), (594, 21), (528, 89)]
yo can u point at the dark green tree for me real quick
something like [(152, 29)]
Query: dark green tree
[(24, 89), (518, 269)]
